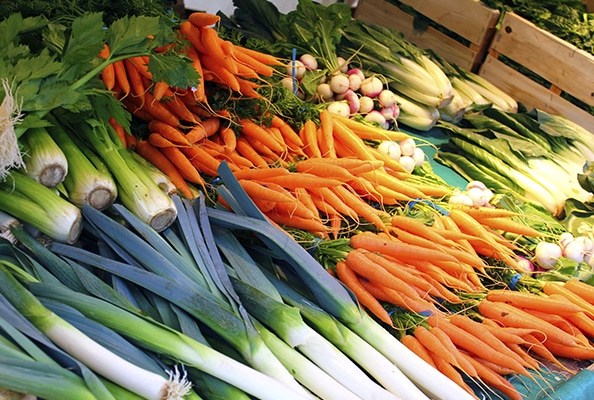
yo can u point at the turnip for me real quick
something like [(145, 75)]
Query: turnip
[(343, 65), (371, 86), (525, 264), (376, 116), (407, 146), (586, 243), (408, 163), (390, 148), (340, 108), (546, 254), (355, 82), (289, 83), (460, 198), (418, 156), (574, 251), (565, 238), (477, 184), (477, 195), (386, 98), (390, 113), (339, 83), (296, 69), (324, 92), (366, 104), (309, 62), (353, 100)]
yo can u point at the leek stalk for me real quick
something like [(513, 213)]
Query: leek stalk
[(44, 159), (135, 187), (40, 207), (98, 358), (88, 180)]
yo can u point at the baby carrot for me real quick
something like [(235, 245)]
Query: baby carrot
[(510, 225), (350, 279), (203, 19), (260, 191), (159, 160), (493, 379), (533, 301), (580, 288), (251, 129), (371, 132), (184, 166), (293, 180), (559, 288), (308, 136), (169, 132), (512, 316), (413, 344)]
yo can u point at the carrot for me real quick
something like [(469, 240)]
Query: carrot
[(493, 379), (326, 140), (260, 173), (248, 88), (244, 148), (141, 65), (350, 279), (211, 46), (507, 335), (533, 344), (392, 165), (184, 166), (416, 304), (305, 198), (317, 167), (510, 225), (203, 19), (528, 300), (169, 132), (560, 322), (559, 288), (414, 345), (509, 315), (322, 205), (260, 191), (460, 361), (108, 72), (480, 212), (329, 197), (203, 129), (354, 165), (293, 180), (296, 209), (159, 160), (201, 159), (255, 65), (401, 251), (119, 130), (365, 267), (159, 111), (581, 289), (251, 129), (198, 92), (474, 345), (229, 138), (309, 138), (452, 373), (160, 141), (291, 137), (370, 132), (262, 57), (361, 207), (481, 331), (121, 77), (351, 142), (159, 89), (572, 352), (382, 178), (307, 224), (434, 345), (220, 74), (413, 225), (527, 359)]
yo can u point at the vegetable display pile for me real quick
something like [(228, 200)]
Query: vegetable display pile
[(184, 216)]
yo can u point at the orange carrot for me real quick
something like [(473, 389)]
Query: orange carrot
[(198, 91), (251, 129), (260, 173), (159, 160), (291, 137), (529, 300), (512, 316), (158, 140), (119, 129), (203, 19), (294, 180), (229, 138), (168, 131), (262, 57), (460, 361), (559, 288), (159, 89), (536, 346), (580, 288), (309, 138), (307, 224), (480, 212), (452, 373), (329, 197), (353, 143), (121, 77), (317, 167), (211, 44), (433, 344), (350, 279), (510, 225), (474, 345), (413, 344), (326, 142), (158, 110), (184, 166), (493, 379), (361, 207), (418, 227), (220, 74), (257, 190), (371, 132), (201, 159), (203, 129), (245, 148), (108, 73), (255, 65)]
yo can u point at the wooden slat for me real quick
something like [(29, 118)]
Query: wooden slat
[(468, 18), (383, 13), (557, 61), (532, 94)]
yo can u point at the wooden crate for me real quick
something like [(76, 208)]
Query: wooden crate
[(566, 68), (472, 23)]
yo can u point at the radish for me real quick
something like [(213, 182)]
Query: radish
[(371, 86), (418, 156), (366, 104), (340, 108), (353, 100), (309, 62), (546, 254), (386, 98), (343, 66), (297, 68), (376, 116), (408, 163), (339, 83), (408, 146), (460, 198), (324, 92), (390, 148)]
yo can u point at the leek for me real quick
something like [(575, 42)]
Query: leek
[(98, 358), (44, 159), (135, 187), (88, 180), (40, 207), (164, 340), (328, 292)]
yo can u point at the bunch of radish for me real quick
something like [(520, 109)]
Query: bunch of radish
[(476, 193), (347, 92), (405, 151), (577, 248)]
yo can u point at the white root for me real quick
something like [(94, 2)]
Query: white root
[(10, 115)]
